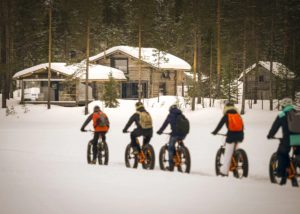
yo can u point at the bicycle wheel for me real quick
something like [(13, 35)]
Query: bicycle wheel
[(242, 165), (297, 168), (273, 164), (89, 152), (131, 160), (219, 156), (164, 157), (149, 162), (185, 159), (103, 153)]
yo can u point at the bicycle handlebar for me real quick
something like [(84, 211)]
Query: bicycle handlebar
[(276, 138)]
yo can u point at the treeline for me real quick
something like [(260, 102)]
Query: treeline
[(218, 37)]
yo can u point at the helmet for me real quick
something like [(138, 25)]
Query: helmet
[(139, 105), (96, 108), (173, 107), (297, 99), (285, 102)]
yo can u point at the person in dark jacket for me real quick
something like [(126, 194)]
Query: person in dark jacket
[(146, 132), (284, 146), (175, 136), (100, 129), (232, 137)]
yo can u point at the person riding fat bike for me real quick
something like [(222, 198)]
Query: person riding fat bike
[(143, 122), (284, 147), (178, 132), (101, 127), (235, 133)]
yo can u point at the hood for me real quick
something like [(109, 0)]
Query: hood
[(175, 111)]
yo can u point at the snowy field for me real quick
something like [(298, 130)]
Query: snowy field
[(43, 166)]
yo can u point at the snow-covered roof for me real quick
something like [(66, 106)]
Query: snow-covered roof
[(150, 56), (278, 69), (96, 72)]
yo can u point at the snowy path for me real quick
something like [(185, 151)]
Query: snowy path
[(43, 167)]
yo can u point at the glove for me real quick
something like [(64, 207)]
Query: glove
[(214, 133), (159, 132), (269, 137), (124, 131), (83, 130)]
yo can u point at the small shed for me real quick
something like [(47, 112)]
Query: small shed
[(258, 80), (67, 82)]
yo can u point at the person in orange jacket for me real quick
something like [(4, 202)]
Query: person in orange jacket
[(101, 127)]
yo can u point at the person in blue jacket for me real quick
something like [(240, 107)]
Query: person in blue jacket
[(175, 136)]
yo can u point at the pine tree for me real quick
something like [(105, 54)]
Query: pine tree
[(111, 93)]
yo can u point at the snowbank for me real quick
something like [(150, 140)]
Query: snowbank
[(43, 166)]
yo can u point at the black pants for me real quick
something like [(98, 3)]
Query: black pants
[(95, 142), (146, 133), (283, 159)]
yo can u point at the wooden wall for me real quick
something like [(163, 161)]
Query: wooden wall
[(152, 75)]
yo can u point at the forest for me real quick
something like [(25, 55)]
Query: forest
[(219, 38)]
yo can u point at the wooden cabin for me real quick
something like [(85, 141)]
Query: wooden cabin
[(258, 80), (161, 72), (67, 83)]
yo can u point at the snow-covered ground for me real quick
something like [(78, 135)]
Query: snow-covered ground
[(43, 166)]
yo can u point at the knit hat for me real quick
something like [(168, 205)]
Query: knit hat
[(139, 105)]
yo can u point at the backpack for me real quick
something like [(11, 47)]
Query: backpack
[(182, 125), (293, 119), (235, 122), (101, 121), (145, 120)]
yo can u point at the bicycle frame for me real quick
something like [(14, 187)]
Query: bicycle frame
[(233, 163)]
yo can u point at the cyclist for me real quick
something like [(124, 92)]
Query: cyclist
[(143, 122), (171, 119), (284, 147), (235, 133), (101, 126)]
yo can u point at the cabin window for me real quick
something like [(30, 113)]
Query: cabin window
[(120, 63), (163, 88), (261, 78)]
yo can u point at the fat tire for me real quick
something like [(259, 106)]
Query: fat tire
[(163, 162), (273, 164), (218, 164), (89, 152), (129, 155), (149, 153), (184, 155), (241, 153), (103, 147)]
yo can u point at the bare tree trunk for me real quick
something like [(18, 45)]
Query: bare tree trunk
[(271, 63), (140, 64), (244, 69), (49, 56), (195, 71), (218, 46), (5, 61), (210, 72), (199, 94), (86, 110)]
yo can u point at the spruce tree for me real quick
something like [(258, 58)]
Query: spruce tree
[(111, 93)]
